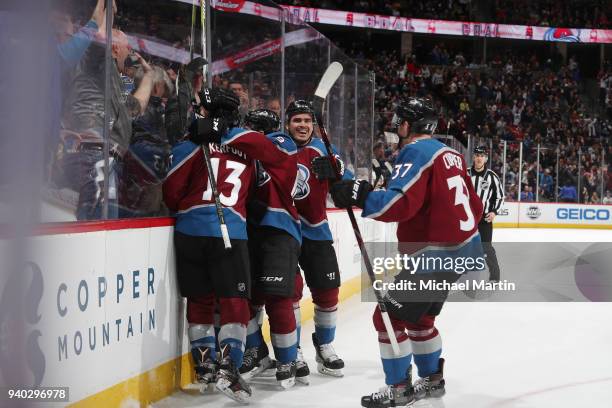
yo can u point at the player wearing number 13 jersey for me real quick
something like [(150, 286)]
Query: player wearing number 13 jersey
[(207, 272), (432, 199)]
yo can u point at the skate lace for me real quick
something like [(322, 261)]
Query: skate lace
[(382, 394), (422, 384), (328, 352), (283, 367), (250, 356)]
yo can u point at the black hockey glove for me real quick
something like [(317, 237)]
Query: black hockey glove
[(207, 130), (219, 99), (347, 193), (323, 169)]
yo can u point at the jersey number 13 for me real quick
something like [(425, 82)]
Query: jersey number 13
[(233, 178)]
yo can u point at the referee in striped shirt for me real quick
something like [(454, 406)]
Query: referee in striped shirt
[(489, 189)]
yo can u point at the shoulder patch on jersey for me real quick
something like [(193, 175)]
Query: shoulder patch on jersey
[(283, 141), (317, 145), (302, 188)]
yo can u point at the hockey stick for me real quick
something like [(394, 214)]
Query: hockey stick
[(205, 148), (330, 76)]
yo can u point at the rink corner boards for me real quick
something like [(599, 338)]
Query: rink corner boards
[(167, 378)]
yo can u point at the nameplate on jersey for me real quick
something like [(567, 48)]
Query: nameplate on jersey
[(216, 148), (452, 160)]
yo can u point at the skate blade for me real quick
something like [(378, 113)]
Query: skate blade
[(208, 388), (427, 403), (241, 396), (303, 380), (288, 383), (268, 373), (329, 371), (264, 365)]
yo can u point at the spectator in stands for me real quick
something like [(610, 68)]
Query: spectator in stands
[(275, 106), (84, 115), (546, 183), (527, 194), (241, 92), (567, 194)]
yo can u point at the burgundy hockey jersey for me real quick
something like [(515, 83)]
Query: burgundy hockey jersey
[(187, 190), (311, 193), (430, 194), (273, 197)]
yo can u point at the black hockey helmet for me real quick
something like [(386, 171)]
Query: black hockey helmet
[(262, 120), (419, 113), (299, 106), (480, 150)]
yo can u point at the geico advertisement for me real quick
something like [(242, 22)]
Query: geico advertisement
[(533, 213), (583, 214), (99, 307)]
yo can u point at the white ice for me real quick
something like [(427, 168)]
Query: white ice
[(520, 355)]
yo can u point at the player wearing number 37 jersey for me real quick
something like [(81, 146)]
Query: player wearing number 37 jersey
[(431, 197)]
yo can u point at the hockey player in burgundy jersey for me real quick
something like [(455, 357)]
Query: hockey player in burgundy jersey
[(431, 197), (274, 246), (317, 257), (205, 270)]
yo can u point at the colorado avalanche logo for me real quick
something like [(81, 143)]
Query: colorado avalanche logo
[(562, 34), (19, 314), (262, 175), (302, 188)]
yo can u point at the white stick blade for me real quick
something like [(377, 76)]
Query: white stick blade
[(328, 80)]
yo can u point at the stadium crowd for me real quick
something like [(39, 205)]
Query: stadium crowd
[(516, 99)]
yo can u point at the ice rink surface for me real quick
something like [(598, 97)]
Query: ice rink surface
[(519, 355)]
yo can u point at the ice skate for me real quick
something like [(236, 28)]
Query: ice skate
[(397, 395), (431, 386), (270, 371), (328, 362), (302, 370), (205, 368), (285, 374), (256, 360), (229, 381)]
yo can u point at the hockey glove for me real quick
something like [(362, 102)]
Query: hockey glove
[(323, 169), (347, 193), (207, 130), (219, 99)]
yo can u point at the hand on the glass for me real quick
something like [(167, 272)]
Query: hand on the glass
[(144, 64), (99, 15)]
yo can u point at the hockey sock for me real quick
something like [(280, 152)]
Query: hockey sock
[(426, 345), (427, 351), (325, 323), (254, 336), (325, 311), (395, 367), (201, 335), (298, 321), (234, 319), (283, 328), (233, 334)]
